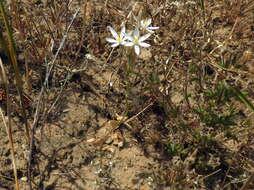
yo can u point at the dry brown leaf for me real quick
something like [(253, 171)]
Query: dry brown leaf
[(104, 133)]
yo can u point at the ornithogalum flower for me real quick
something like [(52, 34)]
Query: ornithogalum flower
[(145, 25), (136, 40), (119, 39)]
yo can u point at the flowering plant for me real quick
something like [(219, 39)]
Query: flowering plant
[(118, 39), (145, 25), (133, 38)]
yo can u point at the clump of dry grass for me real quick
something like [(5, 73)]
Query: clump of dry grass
[(197, 77)]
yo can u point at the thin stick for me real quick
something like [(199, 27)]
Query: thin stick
[(145, 108), (60, 47)]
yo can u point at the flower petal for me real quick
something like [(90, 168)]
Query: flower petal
[(111, 40), (143, 38), (113, 32), (143, 44), (122, 32), (123, 43), (115, 45), (142, 23), (137, 49), (153, 27), (124, 38), (148, 21), (150, 31), (129, 44)]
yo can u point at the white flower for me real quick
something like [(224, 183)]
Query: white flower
[(119, 39), (144, 24), (137, 41)]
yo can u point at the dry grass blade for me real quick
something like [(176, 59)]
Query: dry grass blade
[(13, 57), (8, 125)]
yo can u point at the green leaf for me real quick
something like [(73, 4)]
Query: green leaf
[(242, 97)]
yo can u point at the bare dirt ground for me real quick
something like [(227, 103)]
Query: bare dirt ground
[(64, 158), (171, 137)]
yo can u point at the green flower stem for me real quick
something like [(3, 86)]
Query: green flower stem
[(131, 57)]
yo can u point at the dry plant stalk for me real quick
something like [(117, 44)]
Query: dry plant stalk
[(8, 126), (11, 49)]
